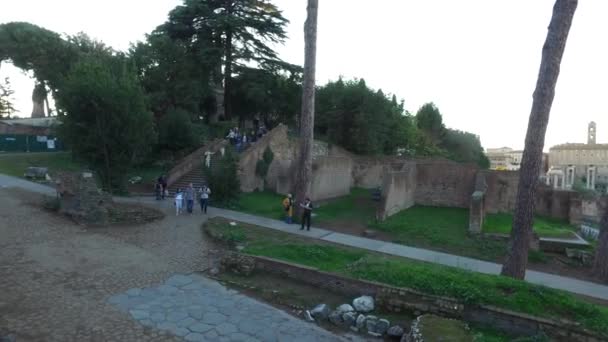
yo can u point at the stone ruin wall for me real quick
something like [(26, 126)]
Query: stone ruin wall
[(438, 182)]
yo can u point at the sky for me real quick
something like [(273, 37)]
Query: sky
[(477, 60)]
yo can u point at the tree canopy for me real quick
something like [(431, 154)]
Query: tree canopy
[(106, 123)]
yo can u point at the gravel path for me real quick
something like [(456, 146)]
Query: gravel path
[(63, 282)]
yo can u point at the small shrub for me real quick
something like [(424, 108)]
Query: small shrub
[(262, 166)]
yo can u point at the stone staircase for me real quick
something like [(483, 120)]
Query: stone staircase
[(190, 169), (196, 176)]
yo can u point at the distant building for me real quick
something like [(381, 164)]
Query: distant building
[(585, 164), (504, 158), (29, 135)]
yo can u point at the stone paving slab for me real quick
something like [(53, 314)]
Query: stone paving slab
[(199, 309)]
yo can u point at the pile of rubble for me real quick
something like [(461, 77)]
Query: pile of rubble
[(356, 317)]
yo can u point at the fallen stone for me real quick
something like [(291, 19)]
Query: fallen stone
[(349, 318), (395, 331), (370, 323), (36, 172), (344, 308), (335, 317), (320, 312), (360, 322), (308, 316), (382, 326), (364, 304)]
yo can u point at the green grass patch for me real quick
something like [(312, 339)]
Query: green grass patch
[(16, 164), (355, 206), (261, 203), (543, 226), (468, 287), (269, 204), (440, 228)]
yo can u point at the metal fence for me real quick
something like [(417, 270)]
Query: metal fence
[(29, 143)]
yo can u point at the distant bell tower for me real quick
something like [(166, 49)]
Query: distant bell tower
[(591, 133)]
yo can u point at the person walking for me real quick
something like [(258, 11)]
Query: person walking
[(190, 198), (165, 187), (204, 198), (288, 207), (307, 214), (158, 189), (179, 197)]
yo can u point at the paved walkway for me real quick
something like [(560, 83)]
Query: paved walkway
[(540, 278), (199, 309)]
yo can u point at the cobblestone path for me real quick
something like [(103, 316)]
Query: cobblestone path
[(57, 278), (199, 309)]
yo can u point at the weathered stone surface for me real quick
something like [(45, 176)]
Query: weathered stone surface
[(335, 317), (320, 312), (395, 331), (36, 172), (349, 318), (344, 308), (370, 322), (308, 316), (360, 322), (382, 326), (364, 304)]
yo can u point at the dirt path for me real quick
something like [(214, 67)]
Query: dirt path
[(56, 278)]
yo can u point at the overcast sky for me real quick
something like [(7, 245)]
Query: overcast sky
[(476, 59)]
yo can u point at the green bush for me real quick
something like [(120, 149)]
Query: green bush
[(262, 166), (223, 180)]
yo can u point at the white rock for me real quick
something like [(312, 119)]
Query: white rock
[(364, 304)]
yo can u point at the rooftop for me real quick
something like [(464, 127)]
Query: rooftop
[(571, 146), (34, 122)]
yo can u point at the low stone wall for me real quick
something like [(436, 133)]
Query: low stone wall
[(331, 177), (408, 300), (398, 191)]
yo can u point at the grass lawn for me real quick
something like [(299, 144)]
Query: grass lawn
[(543, 226), (468, 287), (269, 204), (14, 164), (442, 229)]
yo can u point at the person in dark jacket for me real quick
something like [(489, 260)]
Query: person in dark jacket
[(307, 213)]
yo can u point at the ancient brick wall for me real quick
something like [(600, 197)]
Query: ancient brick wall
[(331, 177), (444, 183)]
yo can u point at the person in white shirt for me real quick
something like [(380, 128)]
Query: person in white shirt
[(204, 193), (179, 202)]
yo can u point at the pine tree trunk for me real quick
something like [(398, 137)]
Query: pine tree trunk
[(553, 50), (600, 265), (228, 69), (307, 120)]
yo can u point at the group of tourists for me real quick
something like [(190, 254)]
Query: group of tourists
[(288, 206), (185, 198), (242, 140)]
